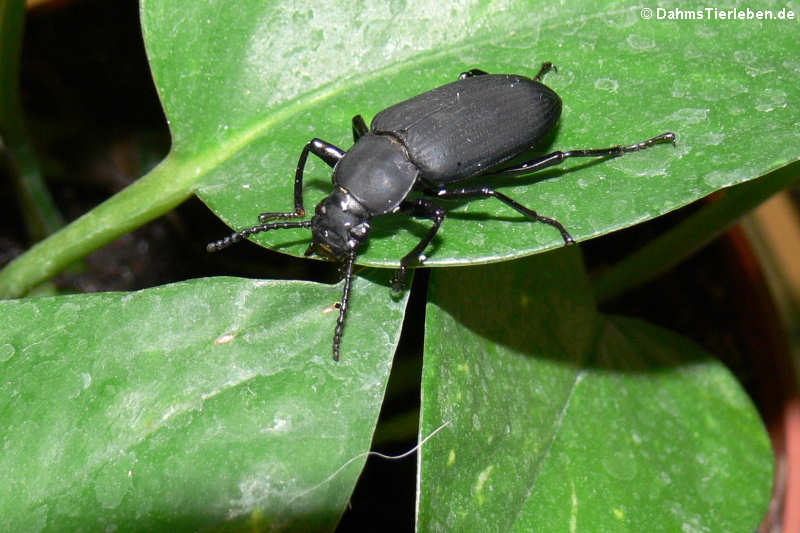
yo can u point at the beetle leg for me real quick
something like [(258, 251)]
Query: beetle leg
[(556, 158), (487, 192), (471, 73), (348, 280), (422, 208), (546, 67), (359, 127), (325, 151)]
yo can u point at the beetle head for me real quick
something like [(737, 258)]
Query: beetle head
[(340, 224)]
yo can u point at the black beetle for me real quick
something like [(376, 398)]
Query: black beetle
[(448, 134)]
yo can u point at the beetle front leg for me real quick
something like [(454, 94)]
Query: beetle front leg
[(487, 192), (420, 208), (325, 151)]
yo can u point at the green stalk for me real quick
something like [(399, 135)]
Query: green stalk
[(38, 208), (683, 240), (151, 196)]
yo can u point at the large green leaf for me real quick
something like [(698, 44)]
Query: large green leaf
[(245, 84), (270, 76), (189, 405), (564, 419)]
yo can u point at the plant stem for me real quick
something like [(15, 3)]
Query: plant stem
[(683, 240), (151, 196), (38, 208)]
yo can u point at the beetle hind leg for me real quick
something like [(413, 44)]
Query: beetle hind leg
[(557, 158)]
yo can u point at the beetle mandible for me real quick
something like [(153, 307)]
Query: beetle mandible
[(456, 131)]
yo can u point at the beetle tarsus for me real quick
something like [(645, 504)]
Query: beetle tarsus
[(568, 239), (663, 138), (546, 67), (398, 281)]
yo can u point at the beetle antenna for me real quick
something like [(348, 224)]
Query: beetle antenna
[(243, 234), (348, 278)]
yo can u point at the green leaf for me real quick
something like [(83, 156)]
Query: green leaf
[(245, 85), (564, 419), (185, 406), (262, 79)]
